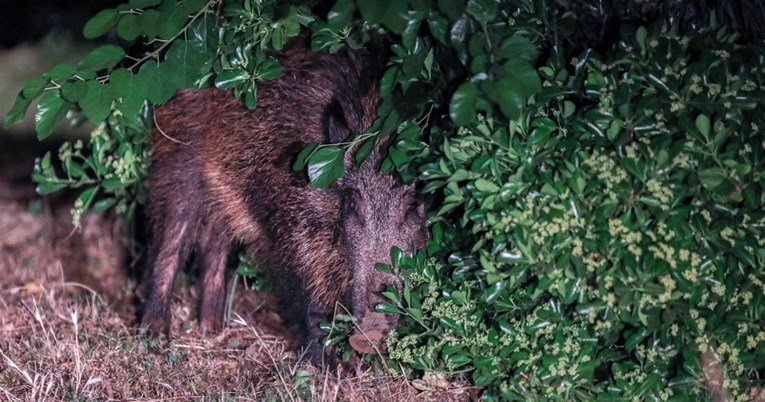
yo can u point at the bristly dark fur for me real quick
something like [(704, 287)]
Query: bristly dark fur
[(221, 175)]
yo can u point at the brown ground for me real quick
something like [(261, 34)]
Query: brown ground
[(68, 322)]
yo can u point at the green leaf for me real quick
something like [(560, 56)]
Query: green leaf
[(51, 109), (73, 91), (508, 95), (524, 76), (129, 27), (149, 72), (172, 21), (702, 124), (192, 60), (518, 47), (388, 308), (326, 166), (640, 37), (396, 256), (193, 6), (568, 108), (250, 98), (87, 196), (302, 159), (161, 79), (459, 32), (231, 78), (542, 131), (741, 169), (170, 77), (102, 57), (203, 32), (277, 41), (395, 17), (60, 71), (438, 26), (482, 10), (452, 9), (102, 205), (48, 187), (486, 186), (364, 150), (340, 14), (462, 106), (101, 23), (269, 69), (74, 169), (372, 11), (34, 87), (85, 74), (149, 22), (130, 91), (18, 110), (97, 102), (712, 178), (113, 183), (633, 340)]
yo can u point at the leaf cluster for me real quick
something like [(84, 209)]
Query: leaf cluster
[(193, 43)]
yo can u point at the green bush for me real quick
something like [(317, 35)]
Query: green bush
[(597, 218), (599, 242)]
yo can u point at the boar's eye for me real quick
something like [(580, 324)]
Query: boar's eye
[(352, 204), (413, 207)]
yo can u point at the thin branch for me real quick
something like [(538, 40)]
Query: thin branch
[(156, 52)]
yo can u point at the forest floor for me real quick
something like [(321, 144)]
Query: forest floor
[(69, 302)]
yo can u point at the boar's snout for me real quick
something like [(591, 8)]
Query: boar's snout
[(371, 296)]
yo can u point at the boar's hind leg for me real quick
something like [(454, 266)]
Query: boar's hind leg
[(214, 247), (170, 250)]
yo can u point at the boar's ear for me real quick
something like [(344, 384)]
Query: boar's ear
[(335, 125)]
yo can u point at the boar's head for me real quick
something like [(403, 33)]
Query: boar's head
[(378, 213)]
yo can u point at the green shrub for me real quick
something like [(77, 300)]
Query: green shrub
[(597, 218), (596, 244)]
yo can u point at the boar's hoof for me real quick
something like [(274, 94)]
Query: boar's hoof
[(322, 356), (155, 326), (209, 325)]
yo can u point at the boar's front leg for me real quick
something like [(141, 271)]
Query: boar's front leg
[(318, 354)]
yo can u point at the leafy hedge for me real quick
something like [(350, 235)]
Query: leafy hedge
[(597, 218), (604, 241)]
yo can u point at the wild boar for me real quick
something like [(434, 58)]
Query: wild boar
[(222, 177)]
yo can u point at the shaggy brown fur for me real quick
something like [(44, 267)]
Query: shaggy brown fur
[(221, 175)]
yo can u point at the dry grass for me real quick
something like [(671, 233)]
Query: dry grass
[(68, 332), (79, 350)]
